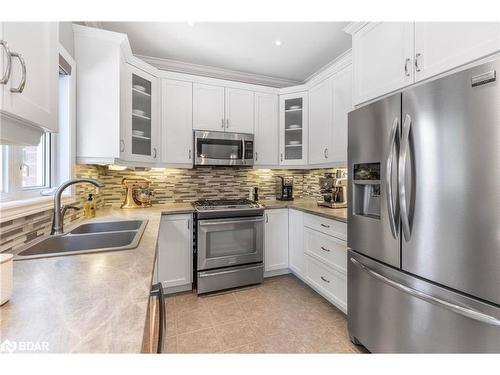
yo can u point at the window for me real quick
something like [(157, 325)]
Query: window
[(35, 164), (26, 170)]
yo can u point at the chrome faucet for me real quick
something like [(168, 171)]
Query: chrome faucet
[(58, 218)]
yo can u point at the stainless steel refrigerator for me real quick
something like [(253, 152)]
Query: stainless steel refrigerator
[(424, 217)]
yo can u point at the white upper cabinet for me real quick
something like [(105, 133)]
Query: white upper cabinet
[(266, 129), (441, 46), (208, 107), (276, 239), (320, 121), (342, 104), (30, 93), (140, 117), (388, 56), (220, 108), (177, 122), (239, 110), (293, 128), (382, 59)]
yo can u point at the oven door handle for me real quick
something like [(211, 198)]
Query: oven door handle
[(222, 222)]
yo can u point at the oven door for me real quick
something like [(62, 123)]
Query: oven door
[(230, 242), (220, 148)]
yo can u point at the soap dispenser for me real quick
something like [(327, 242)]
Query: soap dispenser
[(89, 207)]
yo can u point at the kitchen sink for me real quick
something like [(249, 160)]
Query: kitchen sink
[(88, 238), (109, 226)]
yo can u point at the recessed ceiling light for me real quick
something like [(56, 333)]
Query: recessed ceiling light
[(190, 24), (278, 43)]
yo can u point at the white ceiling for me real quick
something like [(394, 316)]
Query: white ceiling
[(246, 47)]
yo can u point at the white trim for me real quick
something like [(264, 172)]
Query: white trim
[(214, 72), (20, 208), (341, 62), (354, 27)]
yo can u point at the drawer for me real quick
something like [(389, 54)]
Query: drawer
[(329, 282), (327, 226), (328, 249)]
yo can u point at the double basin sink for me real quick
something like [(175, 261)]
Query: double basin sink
[(89, 238)]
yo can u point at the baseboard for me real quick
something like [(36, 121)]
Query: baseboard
[(272, 273)]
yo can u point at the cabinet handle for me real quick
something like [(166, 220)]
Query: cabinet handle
[(325, 280), (6, 74), (417, 65), (325, 152), (325, 249), (122, 145), (222, 123), (256, 156), (281, 156), (407, 71), (189, 154), (19, 89), (189, 226), (325, 225), (267, 219), (154, 152), (227, 123)]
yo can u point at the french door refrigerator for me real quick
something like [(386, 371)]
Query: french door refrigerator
[(424, 217)]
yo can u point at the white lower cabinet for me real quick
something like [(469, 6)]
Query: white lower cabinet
[(276, 240), (328, 282), (296, 242), (322, 249), (175, 253)]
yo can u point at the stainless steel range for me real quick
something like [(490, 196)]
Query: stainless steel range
[(229, 244)]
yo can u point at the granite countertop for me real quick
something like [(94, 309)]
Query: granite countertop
[(309, 206), (89, 302)]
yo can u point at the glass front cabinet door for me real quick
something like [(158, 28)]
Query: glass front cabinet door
[(293, 129), (140, 134)]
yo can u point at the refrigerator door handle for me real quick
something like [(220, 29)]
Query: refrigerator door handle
[(388, 177), (464, 311), (403, 154)]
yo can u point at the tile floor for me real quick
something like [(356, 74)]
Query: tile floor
[(282, 315)]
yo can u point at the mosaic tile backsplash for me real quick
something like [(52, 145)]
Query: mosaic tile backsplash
[(169, 186), (188, 185)]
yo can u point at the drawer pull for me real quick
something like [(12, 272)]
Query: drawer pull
[(325, 249), (325, 225), (325, 280)]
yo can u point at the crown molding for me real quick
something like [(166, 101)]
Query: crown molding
[(354, 27), (220, 73), (94, 24), (332, 67)]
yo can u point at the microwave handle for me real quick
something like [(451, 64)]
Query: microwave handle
[(243, 150)]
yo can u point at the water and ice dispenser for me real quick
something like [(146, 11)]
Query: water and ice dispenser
[(366, 190)]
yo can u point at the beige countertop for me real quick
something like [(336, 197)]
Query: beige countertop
[(89, 302), (309, 206), (98, 302)]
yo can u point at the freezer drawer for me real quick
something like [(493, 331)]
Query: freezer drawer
[(392, 312)]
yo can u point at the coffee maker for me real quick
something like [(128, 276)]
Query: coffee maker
[(333, 187), (284, 188)]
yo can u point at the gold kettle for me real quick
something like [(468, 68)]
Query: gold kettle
[(138, 193)]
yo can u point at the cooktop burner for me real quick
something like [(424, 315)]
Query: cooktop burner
[(223, 202), (227, 207)]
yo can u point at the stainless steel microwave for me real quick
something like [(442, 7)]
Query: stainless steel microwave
[(223, 148)]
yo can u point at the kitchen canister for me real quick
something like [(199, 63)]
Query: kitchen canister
[(5, 277)]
